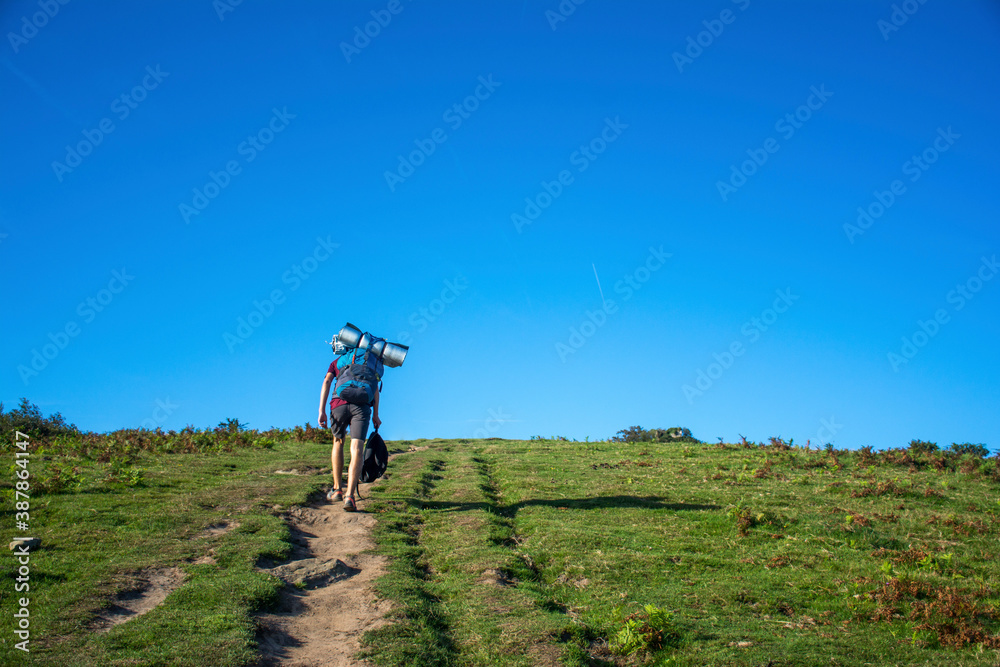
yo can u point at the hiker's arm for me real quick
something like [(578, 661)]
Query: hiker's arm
[(323, 393), (375, 419)]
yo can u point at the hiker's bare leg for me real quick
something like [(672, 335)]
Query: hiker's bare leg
[(337, 461), (354, 472)]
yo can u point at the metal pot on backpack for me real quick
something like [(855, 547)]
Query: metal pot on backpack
[(350, 335), (392, 354)]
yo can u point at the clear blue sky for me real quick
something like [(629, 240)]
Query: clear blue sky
[(623, 132)]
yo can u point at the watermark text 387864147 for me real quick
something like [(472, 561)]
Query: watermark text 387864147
[(22, 517)]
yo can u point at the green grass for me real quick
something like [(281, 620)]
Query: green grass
[(523, 553), (542, 552), (97, 538)]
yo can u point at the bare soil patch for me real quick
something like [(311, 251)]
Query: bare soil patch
[(149, 591), (216, 529), (308, 470), (328, 602)]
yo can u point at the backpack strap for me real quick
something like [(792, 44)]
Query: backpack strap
[(380, 355)]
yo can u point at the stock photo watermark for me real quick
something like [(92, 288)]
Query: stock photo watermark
[(915, 167), (248, 149), (827, 429), (958, 298), (122, 106), (38, 20), (161, 413), (294, 277), (454, 116), (581, 158), (424, 316), (223, 7), (901, 13), (381, 18), (21, 546), (562, 12), (627, 286), (752, 331), (696, 45), (492, 424), (787, 125), (87, 310)]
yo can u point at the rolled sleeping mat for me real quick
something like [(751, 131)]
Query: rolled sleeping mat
[(393, 354), (350, 335)]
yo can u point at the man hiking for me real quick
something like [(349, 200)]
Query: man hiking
[(353, 405)]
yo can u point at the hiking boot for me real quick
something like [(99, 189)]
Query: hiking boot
[(335, 495), (349, 505)]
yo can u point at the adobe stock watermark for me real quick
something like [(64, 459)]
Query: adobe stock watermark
[(454, 116), (901, 13), (696, 45), (22, 544), (122, 106), (248, 149), (827, 429), (581, 158), (787, 125), (294, 277), (31, 26), (914, 168), (423, 317), (223, 7), (752, 331), (562, 12), (381, 18), (87, 310), (161, 413), (493, 423), (627, 286), (958, 298)]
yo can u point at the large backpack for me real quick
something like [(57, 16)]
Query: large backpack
[(375, 458), (358, 374)]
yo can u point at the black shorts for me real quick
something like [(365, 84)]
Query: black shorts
[(356, 416)]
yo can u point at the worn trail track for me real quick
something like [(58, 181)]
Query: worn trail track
[(320, 621)]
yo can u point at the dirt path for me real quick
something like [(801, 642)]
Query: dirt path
[(321, 619)]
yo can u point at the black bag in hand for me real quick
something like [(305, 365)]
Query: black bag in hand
[(375, 459)]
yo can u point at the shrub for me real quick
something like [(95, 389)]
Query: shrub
[(866, 456), (779, 444), (28, 419), (979, 450), (746, 518), (922, 447), (58, 478), (639, 434), (120, 471), (264, 443), (648, 630), (126, 446), (230, 426)]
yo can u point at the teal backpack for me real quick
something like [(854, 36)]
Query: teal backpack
[(358, 375)]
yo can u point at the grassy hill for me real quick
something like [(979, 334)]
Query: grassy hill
[(532, 552), (528, 552)]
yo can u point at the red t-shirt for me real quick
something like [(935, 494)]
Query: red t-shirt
[(335, 401)]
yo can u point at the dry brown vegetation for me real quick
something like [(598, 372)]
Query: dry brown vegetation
[(956, 618)]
